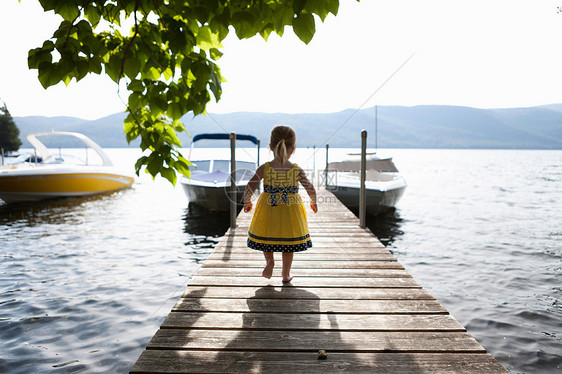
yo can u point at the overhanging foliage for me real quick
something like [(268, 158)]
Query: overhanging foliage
[(168, 60)]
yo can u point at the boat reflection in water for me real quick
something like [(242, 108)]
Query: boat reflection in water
[(205, 227), (59, 211), (387, 226)]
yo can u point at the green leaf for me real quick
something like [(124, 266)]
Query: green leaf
[(244, 24), (168, 73), (111, 13), (154, 165), (332, 6), (206, 39), (135, 100), (131, 67), (152, 73), (169, 174), (129, 125), (95, 65), (66, 79), (298, 6), (182, 166), (215, 54), (38, 56), (136, 86), (176, 110), (84, 30), (93, 14), (280, 18), (265, 33), (83, 69), (140, 162), (67, 10), (49, 74), (304, 27), (113, 68)]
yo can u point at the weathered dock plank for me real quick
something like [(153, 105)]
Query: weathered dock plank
[(312, 256), (312, 341), (214, 362), (361, 306), (294, 293), (360, 272), (305, 282), (311, 321), (242, 248), (349, 297), (298, 264)]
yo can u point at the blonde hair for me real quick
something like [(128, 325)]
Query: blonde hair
[(282, 139)]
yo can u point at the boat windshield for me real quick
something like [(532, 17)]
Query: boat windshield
[(245, 165), (221, 165), (202, 165), (224, 166), (245, 170)]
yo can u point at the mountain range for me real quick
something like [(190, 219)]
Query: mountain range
[(427, 126)]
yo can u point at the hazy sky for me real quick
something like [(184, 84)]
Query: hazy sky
[(484, 54)]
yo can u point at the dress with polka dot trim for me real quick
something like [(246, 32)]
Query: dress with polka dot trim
[(279, 247)]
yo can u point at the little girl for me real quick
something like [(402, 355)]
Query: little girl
[(279, 223)]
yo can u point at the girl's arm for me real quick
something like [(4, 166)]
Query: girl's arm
[(309, 187), (251, 187)]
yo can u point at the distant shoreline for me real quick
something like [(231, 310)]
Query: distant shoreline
[(417, 127)]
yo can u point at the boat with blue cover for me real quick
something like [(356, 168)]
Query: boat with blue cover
[(210, 182)]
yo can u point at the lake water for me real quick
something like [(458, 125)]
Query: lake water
[(86, 282)]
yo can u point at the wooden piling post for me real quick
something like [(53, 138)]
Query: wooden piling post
[(326, 169), (233, 197), (362, 192)]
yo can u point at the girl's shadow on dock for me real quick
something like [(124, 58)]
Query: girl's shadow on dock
[(284, 327), (287, 326)]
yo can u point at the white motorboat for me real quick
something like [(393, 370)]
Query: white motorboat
[(209, 184), (44, 175), (384, 185)]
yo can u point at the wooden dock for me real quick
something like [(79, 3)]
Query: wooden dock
[(350, 297)]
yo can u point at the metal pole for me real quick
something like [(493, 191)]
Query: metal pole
[(259, 190), (2, 156), (362, 196), (258, 153), (326, 169), (376, 128), (233, 199), (313, 163)]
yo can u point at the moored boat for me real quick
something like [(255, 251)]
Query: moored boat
[(44, 175), (209, 184), (384, 186)]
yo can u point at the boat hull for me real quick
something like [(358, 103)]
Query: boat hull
[(34, 186), (213, 198), (378, 201)]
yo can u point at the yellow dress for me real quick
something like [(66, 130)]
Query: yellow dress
[(279, 223)]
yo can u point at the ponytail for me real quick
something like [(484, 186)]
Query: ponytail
[(280, 151)]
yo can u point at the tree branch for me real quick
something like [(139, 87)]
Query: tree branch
[(130, 42), (74, 20)]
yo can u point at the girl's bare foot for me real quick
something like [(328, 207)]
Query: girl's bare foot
[(268, 270), (287, 279)]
